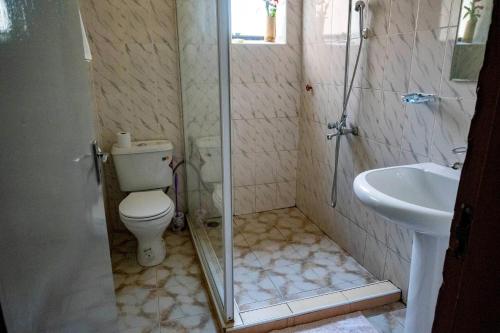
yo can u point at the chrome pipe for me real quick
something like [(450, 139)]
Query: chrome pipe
[(341, 125)]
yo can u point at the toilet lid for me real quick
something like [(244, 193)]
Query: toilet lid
[(142, 205)]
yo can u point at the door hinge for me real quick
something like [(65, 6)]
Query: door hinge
[(462, 231)]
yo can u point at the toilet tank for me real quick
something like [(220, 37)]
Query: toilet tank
[(209, 148), (145, 165)]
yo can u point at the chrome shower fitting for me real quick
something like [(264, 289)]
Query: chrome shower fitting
[(418, 98), (342, 129), (341, 125), (458, 151), (360, 5)]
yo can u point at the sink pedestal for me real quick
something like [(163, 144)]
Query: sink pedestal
[(426, 277)]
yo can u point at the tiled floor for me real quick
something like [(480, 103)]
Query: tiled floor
[(167, 298), (354, 322), (281, 255), (387, 319)]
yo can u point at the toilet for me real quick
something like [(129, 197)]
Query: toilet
[(144, 171), (209, 148)]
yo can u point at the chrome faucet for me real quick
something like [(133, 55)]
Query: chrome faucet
[(341, 128), (458, 151)]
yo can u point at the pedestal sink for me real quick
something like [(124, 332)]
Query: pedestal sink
[(420, 197)]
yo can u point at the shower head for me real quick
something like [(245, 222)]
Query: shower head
[(360, 5)]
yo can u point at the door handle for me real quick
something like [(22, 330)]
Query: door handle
[(100, 158)]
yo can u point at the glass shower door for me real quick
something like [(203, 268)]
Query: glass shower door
[(203, 27)]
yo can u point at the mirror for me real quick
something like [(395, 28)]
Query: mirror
[(470, 43)]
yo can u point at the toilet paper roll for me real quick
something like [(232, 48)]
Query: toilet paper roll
[(123, 139)]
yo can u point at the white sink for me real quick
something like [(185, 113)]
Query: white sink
[(420, 197)]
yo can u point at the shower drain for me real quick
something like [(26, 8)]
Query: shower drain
[(212, 223)]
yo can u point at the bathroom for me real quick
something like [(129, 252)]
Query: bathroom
[(285, 165)]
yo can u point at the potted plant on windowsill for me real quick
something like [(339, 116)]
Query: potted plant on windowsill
[(271, 7), (473, 12)]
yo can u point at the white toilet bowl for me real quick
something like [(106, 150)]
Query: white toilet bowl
[(217, 198), (146, 215)]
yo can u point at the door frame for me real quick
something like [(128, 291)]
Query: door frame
[(469, 298)]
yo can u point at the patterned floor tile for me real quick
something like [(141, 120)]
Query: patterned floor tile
[(253, 285), (137, 309), (182, 300), (204, 323), (344, 274), (295, 279), (159, 299), (274, 254), (388, 318)]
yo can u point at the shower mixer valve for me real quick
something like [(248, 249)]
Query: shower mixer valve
[(342, 129)]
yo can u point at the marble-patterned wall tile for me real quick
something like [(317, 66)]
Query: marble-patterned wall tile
[(265, 197), (286, 134), (410, 157), (243, 136), (338, 53), (243, 169), (316, 104), (372, 155), (379, 15), (316, 65), (201, 110), (357, 242), (317, 19), (393, 119), (190, 24), (397, 270), (265, 134), (451, 129), (286, 194), (265, 100), (163, 21), (340, 17), (294, 22), (433, 14), (286, 164), (418, 128), (196, 71), (135, 76), (375, 256), (416, 56), (366, 114), (244, 200), (403, 16), (274, 63), (428, 58), (266, 167), (400, 240), (398, 62), (371, 72)]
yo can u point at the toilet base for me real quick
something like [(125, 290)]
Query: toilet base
[(151, 252)]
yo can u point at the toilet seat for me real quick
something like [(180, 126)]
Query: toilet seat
[(145, 206)]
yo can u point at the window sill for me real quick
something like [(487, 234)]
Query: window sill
[(256, 42)]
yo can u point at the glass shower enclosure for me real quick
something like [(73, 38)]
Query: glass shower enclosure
[(204, 39)]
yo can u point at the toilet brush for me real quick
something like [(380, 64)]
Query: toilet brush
[(178, 223)]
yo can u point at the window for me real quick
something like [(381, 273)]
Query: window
[(249, 20)]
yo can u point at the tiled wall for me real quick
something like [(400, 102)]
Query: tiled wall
[(411, 50), (198, 53), (135, 77), (266, 88)]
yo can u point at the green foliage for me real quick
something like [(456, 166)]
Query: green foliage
[(473, 10)]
